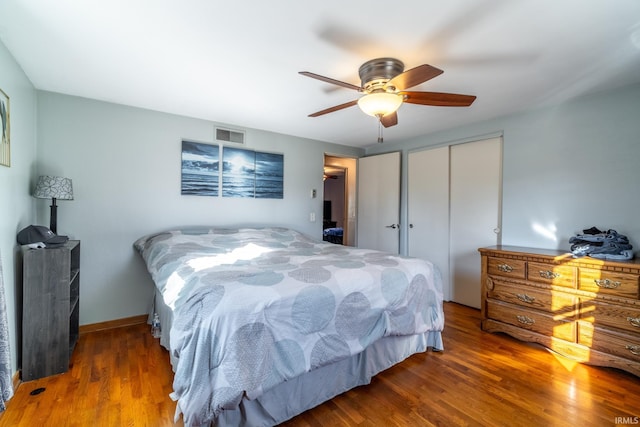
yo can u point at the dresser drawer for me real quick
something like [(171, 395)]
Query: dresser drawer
[(506, 268), (620, 284), (532, 320), (550, 301), (617, 316), (559, 275), (609, 342)]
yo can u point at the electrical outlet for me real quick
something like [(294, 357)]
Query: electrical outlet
[(312, 217)]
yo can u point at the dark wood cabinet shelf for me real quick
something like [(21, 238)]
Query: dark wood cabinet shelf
[(51, 308)]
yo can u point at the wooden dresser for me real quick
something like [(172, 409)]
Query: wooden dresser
[(583, 308)]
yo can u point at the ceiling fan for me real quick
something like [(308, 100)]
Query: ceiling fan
[(384, 83)]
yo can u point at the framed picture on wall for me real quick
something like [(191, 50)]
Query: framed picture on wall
[(200, 163), (269, 175), (5, 146), (238, 172)]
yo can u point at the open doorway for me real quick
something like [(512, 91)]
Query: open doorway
[(333, 213), (339, 193)]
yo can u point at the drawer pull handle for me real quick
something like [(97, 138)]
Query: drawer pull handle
[(525, 320), (635, 321), (526, 298), (549, 274), (606, 283), (634, 349), (505, 268)]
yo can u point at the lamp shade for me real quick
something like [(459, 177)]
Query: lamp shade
[(380, 104), (53, 187)]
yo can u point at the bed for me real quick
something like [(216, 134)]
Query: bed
[(262, 324), (333, 235)]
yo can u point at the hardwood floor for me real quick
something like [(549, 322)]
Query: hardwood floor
[(122, 377)]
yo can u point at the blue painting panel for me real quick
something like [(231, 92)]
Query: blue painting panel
[(269, 176), (238, 172), (200, 169)]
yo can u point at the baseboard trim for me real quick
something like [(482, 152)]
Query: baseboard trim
[(16, 381), (111, 324)]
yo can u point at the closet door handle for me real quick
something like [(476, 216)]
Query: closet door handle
[(394, 226)]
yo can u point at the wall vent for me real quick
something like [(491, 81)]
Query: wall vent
[(229, 135)]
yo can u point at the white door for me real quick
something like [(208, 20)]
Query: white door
[(379, 202), (475, 191), (428, 209)]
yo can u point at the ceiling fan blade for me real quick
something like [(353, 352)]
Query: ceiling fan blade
[(334, 108), (438, 99), (414, 77), (330, 80), (389, 120)]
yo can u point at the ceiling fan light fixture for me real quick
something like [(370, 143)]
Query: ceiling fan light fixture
[(379, 104)]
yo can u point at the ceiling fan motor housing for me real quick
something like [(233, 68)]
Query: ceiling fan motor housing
[(375, 73)]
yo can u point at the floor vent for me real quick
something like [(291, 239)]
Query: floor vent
[(228, 135)]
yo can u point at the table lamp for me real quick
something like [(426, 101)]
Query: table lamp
[(53, 187)]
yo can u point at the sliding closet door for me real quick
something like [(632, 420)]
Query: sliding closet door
[(379, 202), (475, 192), (428, 208), (454, 209)]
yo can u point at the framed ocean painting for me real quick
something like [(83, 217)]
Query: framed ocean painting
[(269, 175), (214, 170), (238, 172), (5, 146), (200, 169)]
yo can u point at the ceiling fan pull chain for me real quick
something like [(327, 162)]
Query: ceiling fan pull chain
[(380, 140)]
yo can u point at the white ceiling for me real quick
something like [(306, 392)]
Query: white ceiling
[(237, 62)]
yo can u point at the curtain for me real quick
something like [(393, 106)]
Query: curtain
[(6, 383)]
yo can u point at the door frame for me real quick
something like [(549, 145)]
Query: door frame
[(350, 166)]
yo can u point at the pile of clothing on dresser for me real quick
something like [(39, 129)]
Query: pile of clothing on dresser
[(601, 244)]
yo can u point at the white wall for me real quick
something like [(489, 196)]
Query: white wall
[(125, 167), (16, 205), (565, 168)]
